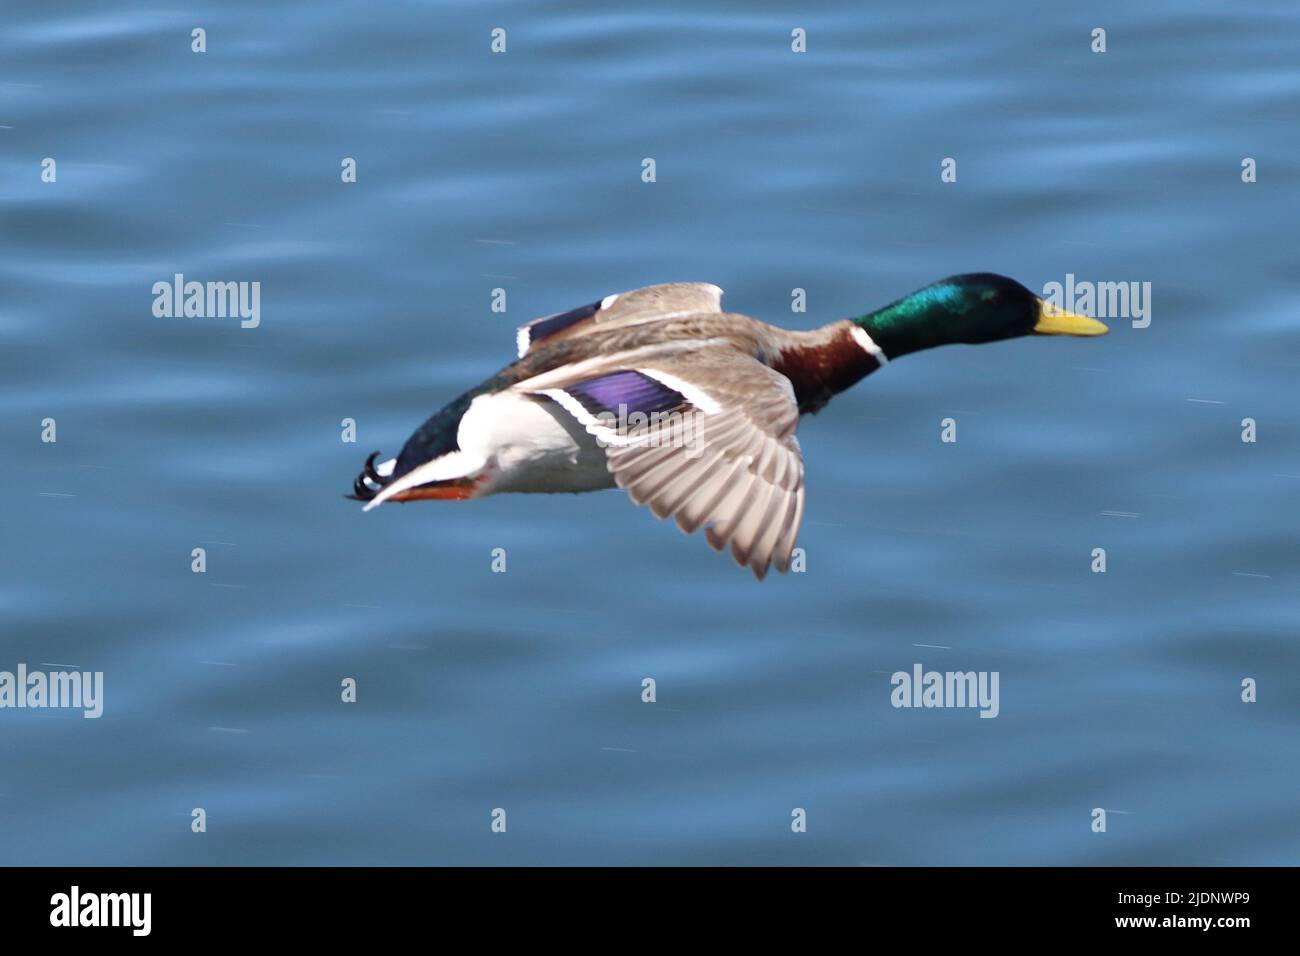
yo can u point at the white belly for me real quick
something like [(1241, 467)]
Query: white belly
[(531, 446)]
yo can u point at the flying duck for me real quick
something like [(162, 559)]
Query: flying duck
[(690, 409)]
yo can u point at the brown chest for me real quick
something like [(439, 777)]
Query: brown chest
[(819, 370)]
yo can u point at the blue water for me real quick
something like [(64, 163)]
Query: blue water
[(522, 690)]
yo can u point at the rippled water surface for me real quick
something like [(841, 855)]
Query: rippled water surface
[(522, 690)]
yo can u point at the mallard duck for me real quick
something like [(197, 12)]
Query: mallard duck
[(690, 409)]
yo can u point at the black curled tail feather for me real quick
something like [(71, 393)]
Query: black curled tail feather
[(369, 483), (435, 438)]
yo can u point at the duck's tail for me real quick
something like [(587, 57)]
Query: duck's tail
[(373, 478), (379, 483)]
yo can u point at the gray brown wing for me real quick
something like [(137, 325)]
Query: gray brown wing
[(716, 449), (639, 305)]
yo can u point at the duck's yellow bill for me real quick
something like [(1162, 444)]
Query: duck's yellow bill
[(1055, 321)]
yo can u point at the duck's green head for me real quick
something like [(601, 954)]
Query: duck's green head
[(970, 309)]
